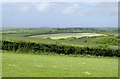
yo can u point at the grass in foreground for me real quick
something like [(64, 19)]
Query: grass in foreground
[(30, 65)]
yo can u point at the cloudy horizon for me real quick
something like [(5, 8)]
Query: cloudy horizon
[(60, 14)]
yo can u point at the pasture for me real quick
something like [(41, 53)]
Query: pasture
[(68, 35), (53, 65), (76, 42)]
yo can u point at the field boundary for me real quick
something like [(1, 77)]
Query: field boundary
[(34, 47)]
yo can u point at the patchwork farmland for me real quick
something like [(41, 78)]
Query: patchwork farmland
[(60, 52)]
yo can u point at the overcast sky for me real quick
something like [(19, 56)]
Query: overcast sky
[(60, 14)]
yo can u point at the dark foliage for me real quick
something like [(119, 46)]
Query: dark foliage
[(57, 48)]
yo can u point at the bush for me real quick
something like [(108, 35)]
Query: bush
[(48, 38), (57, 48), (106, 40), (71, 38), (85, 41)]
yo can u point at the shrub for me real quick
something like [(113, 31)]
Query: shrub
[(85, 41), (58, 48), (71, 38), (48, 38), (106, 40)]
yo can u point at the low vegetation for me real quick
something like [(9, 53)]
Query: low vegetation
[(58, 48), (45, 30), (30, 65), (106, 40), (62, 52)]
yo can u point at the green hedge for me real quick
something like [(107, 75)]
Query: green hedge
[(57, 48)]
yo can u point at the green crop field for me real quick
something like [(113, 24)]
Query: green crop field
[(31, 65)]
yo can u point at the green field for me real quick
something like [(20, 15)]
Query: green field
[(68, 35), (78, 42), (28, 64), (31, 65), (29, 34)]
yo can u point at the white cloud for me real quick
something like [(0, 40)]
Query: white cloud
[(71, 8), (43, 7), (91, 8), (23, 8), (75, 9), (106, 9)]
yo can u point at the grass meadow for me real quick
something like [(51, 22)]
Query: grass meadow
[(54, 65), (59, 39), (26, 64), (77, 42)]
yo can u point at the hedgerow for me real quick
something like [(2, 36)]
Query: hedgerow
[(57, 48)]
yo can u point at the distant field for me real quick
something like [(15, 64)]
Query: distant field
[(31, 65), (67, 35), (77, 42)]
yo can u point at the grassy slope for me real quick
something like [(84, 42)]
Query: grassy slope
[(37, 31), (106, 40), (29, 65), (74, 42)]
